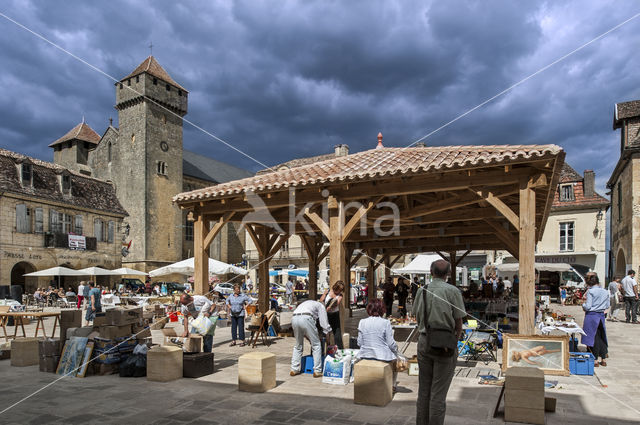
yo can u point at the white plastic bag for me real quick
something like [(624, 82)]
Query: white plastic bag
[(337, 371), (201, 325)]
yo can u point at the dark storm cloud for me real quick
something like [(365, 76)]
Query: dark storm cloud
[(279, 80)]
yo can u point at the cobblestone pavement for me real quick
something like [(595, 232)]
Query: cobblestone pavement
[(610, 397)]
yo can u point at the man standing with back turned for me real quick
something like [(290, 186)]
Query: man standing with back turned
[(444, 314)]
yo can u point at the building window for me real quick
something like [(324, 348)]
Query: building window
[(566, 192), (23, 219), (120, 86), (619, 201), (566, 236), (77, 229), (27, 175), (109, 152), (129, 82), (179, 92), (162, 168), (66, 223), (137, 78), (155, 81), (97, 230), (55, 225), (188, 229), (39, 227), (168, 87), (66, 183)]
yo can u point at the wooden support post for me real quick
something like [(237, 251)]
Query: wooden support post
[(260, 238), (200, 255), (371, 273), (313, 279), (313, 245), (348, 253), (386, 259), (337, 263), (527, 246), (454, 263)]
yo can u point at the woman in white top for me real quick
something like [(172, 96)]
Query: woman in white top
[(332, 299), (375, 337)]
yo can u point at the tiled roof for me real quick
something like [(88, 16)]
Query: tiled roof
[(625, 110), (568, 174), (378, 163), (82, 132), (298, 162), (86, 192), (151, 66), (209, 169)]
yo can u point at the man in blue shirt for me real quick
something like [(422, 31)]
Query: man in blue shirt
[(93, 302)]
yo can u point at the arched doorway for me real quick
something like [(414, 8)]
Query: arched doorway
[(18, 271), (621, 263)]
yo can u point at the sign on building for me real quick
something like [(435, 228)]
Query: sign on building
[(77, 242)]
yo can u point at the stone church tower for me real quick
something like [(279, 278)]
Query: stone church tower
[(143, 158)]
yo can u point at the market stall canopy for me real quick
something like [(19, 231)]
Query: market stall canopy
[(57, 271), (543, 267), (186, 267), (421, 264), (98, 271), (290, 272), (125, 271)]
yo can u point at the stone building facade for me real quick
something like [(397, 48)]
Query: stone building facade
[(624, 186), (575, 232), (41, 205), (145, 160)]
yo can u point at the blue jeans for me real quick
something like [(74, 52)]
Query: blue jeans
[(237, 326), (207, 343)]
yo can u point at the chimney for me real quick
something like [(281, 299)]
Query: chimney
[(421, 145), (380, 145), (341, 149), (589, 183)]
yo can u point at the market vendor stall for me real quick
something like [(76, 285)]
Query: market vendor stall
[(18, 319)]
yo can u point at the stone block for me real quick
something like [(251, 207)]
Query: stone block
[(113, 332), (72, 318), (83, 332), (256, 372), (550, 404), (373, 383), (522, 415), (49, 347), (528, 399), (24, 352), (164, 364), (524, 378), (49, 364)]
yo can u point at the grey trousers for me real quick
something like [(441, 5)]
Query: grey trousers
[(306, 326), (436, 374)]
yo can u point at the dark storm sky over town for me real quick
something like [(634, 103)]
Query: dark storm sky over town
[(280, 80)]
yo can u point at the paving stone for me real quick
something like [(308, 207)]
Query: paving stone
[(278, 416), (319, 415), (45, 419)]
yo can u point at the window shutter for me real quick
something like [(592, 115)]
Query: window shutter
[(97, 230), (111, 231), (53, 221), (21, 218), (78, 225), (39, 221)]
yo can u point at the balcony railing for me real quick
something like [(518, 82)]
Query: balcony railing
[(61, 240)]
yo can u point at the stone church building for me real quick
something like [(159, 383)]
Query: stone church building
[(144, 158)]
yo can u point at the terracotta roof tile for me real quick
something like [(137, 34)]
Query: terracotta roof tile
[(82, 132), (151, 66), (86, 192), (376, 163)]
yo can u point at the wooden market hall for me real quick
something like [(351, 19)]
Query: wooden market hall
[(386, 202)]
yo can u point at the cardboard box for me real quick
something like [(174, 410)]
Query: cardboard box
[(24, 352), (373, 383), (49, 347), (527, 416), (193, 344), (113, 332), (169, 332), (103, 368), (164, 364), (159, 323), (72, 318), (100, 320), (196, 365), (256, 372), (83, 332), (49, 364), (123, 316)]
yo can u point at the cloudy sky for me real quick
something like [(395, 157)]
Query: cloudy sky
[(284, 79)]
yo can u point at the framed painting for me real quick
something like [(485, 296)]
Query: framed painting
[(86, 359), (547, 352), (72, 355)]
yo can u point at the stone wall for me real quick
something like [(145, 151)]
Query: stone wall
[(29, 247), (625, 227)]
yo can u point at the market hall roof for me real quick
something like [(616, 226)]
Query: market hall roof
[(151, 66), (377, 164), (80, 132), (86, 192)]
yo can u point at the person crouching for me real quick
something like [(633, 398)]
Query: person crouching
[(303, 323)]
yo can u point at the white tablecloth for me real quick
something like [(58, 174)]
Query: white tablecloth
[(573, 330)]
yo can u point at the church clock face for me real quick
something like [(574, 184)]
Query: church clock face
[(164, 146)]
